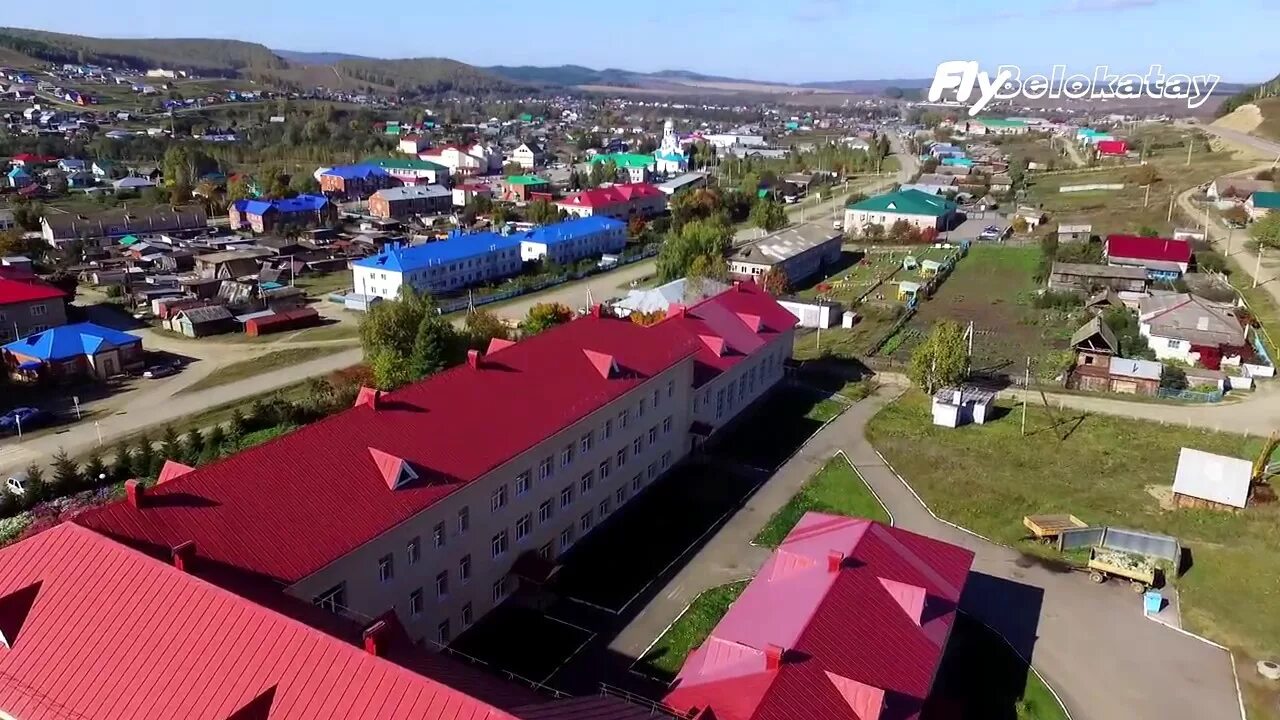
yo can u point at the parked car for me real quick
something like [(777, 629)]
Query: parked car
[(22, 417), (17, 484), (158, 371)]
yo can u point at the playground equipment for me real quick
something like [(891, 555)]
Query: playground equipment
[(909, 263)]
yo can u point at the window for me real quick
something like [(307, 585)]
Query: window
[(608, 429), (566, 538), (636, 481), (751, 380), (544, 469), (621, 458), (522, 483), (719, 403), (584, 444), (666, 425), (415, 603), (39, 310), (622, 418), (695, 402), (640, 409), (386, 568), (1173, 343), (498, 499), (566, 455), (671, 388), (588, 482), (500, 589), (604, 469), (621, 495), (653, 471), (585, 522), (656, 397), (468, 617), (544, 511), (604, 507), (653, 434), (637, 445), (545, 551), (566, 496), (442, 585), (464, 568), (742, 387), (443, 634), (522, 526), (332, 599), (498, 545), (666, 460)]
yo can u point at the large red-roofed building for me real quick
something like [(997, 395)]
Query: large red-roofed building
[(847, 620), (621, 202), (422, 499), (28, 305), (1163, 258)]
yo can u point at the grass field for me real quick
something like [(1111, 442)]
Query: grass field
[(836, 488), (987, 477), (261, 364), (323, 284), (993, 288), (1034, 147), (668, 654)]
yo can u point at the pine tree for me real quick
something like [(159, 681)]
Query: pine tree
[(193, 446), (170, 446), (36, 488), (66, 474), (433, 346), (143, 457), (213, 444), (121, 466), (238, 426), (95, 472)]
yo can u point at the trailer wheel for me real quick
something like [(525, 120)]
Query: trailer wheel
[(1138, 587), (1097, 577)]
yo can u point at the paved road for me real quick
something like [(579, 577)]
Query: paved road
[(1090, 642)]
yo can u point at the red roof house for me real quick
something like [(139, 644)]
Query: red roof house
[(619, 201), (847, 620), (1162, 257), (90, 628), (29, 159), (27, 289), (1113, 147)]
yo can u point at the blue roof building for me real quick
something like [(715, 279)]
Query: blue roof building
[(458, 262), (572, 240), (263, 215), (356, 181), (73, 350)]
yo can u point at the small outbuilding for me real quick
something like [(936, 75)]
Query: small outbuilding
[(955, 406), (1217, 482)]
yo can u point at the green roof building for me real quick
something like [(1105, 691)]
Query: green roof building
[(526, 180), (917, 208), (410, 168), (624, 161), (1265, 200)]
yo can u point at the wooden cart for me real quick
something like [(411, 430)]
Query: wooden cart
[(1139, 570), (1047, 527)]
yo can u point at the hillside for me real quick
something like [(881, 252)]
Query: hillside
[(561, 75), (1268, 89), (298, 57), (207, 57), (425, 76)]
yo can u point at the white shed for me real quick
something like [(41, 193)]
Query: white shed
[(956, 406), (1213, 481)]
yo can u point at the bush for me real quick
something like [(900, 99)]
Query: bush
[(1173, 377), (1210, 261), (1054, 300), (11, 528), (115, 291)]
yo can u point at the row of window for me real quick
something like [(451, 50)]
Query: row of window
[(725, 396)]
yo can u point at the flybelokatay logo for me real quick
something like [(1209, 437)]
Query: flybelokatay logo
[(967, 81)]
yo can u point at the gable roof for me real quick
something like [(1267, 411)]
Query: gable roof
[(355, 172), (411, 192), (16, 290), (69, 341), (907, 202), (288, 507), (1192, 318), (848, 616), (624, 160), (570, 230), (612, 195), (460, 246), (1218, 478), (728, 326), (1096, 328), (164, 644), (405, 163), (784, 244), (1147, 248)]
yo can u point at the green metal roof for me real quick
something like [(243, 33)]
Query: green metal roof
[(525, 180), (625, 160), (406, 163), (999, 122), (908, 202), (1267, 200)]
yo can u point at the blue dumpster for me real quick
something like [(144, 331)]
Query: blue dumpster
[(1152, 602)]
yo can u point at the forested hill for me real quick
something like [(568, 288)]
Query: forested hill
[(207, 57), (1268, 89)]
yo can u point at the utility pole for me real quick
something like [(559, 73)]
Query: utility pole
[(1231, 233), (1190, 145), (1026, 388), (1169, 217), (1257, 267), (1147, 197)]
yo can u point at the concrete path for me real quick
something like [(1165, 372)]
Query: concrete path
[(1090, 642)]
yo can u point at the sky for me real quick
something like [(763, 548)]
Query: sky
[(788, 41)]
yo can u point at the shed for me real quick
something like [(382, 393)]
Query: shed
[(908, 289), (929, 268), (202, 321), (955, 406), (276, 322), (1206, 480)]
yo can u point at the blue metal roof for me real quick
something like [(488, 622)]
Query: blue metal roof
[(301, 203), (69, 341), (399, 258), (356, 172), (572, 230)]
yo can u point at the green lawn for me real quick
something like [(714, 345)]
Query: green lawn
[(984, 678), (324, 283), (836, 488), (666, 657), (261, 364), (987, 477)]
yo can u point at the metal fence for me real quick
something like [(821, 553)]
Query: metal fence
[(1154, 545), (1190, 395)]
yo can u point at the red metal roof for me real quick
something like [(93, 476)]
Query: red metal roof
[(1148, 248), (860, 614), (1112, 147), (613, 195), (94, 629), (730, 326), (15, 290), (288, 507)]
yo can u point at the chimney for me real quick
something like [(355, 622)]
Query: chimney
[(772, 656), (375, 639), (473, 359), (184, 555), (835, 559), (957, 396), (135, 491)]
